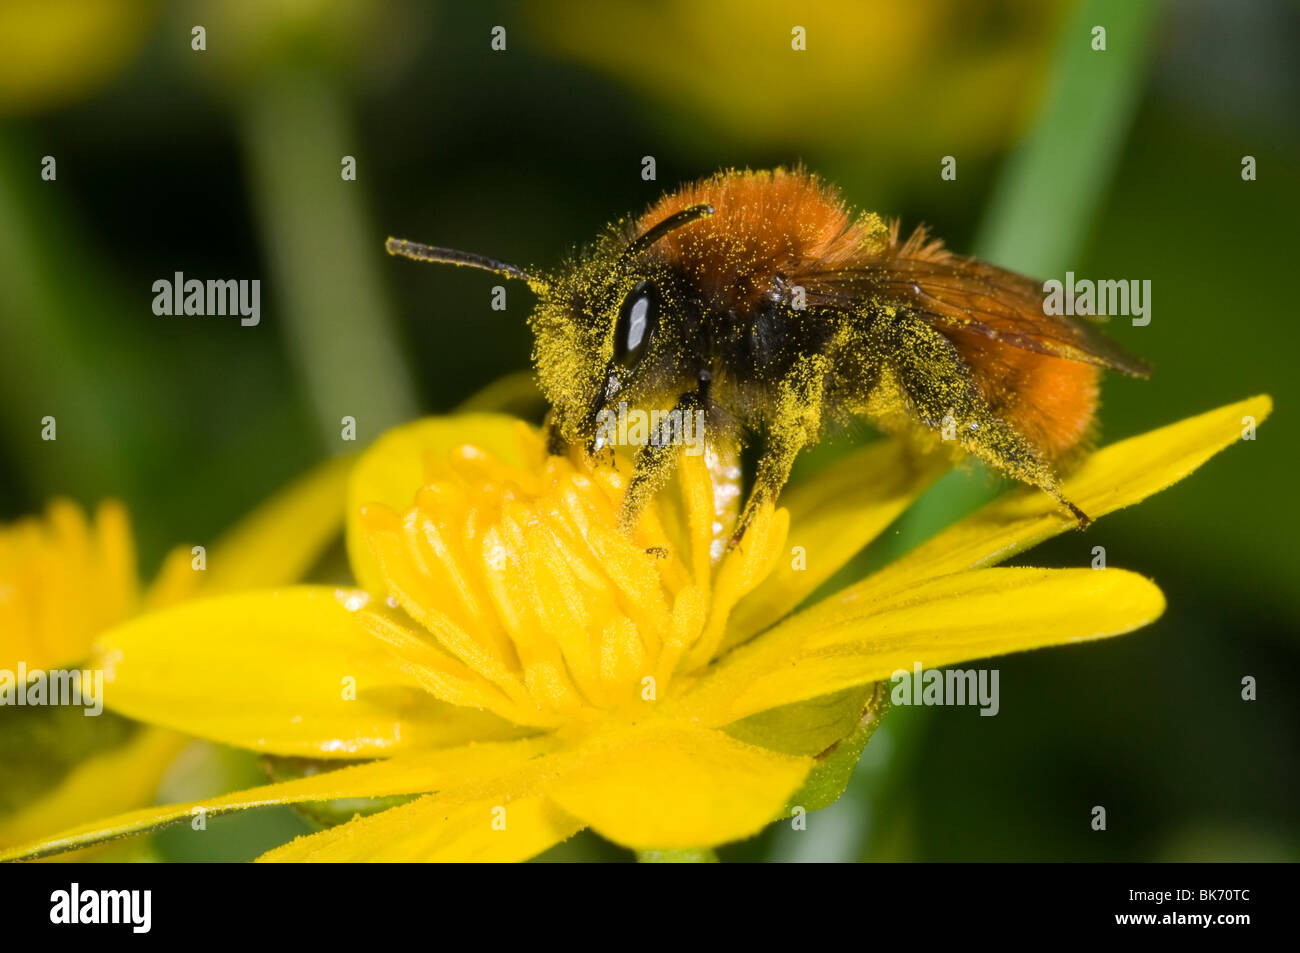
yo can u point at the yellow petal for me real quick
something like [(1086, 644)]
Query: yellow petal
[(393, 469), (448, 828), (1114, 477), (288, 671), (416, 773), (443, 676), (833, 515), (659, 783), (176, 580), (671, 784), (515, 394), (853, 640), (742, 569), (102, 785)]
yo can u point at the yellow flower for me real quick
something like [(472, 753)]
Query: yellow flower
[(528, 671), (65, 580)]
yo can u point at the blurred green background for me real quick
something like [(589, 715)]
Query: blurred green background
[(1123, 163)]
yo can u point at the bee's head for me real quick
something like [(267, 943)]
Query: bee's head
[(602, 328)]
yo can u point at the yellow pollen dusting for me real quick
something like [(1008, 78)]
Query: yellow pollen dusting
[(519, 593)]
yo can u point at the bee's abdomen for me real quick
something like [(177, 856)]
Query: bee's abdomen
[(1049, 400)]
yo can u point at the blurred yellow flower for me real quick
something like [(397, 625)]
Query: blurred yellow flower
[(53, 52), (65, 580), (953, 77), (530, 671)]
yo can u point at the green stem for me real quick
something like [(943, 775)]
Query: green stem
[(696, 855), (324, 255), (1051, 189)]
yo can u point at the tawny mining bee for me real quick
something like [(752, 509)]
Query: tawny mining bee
[(759, 299)]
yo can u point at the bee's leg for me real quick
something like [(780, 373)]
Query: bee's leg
[(556, 445), (796, 423), (938, 385), (654, 464), (1082, 519)]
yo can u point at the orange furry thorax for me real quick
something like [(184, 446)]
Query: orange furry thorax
[(765, 225)]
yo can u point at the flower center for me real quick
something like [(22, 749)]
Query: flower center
[(523, 576)]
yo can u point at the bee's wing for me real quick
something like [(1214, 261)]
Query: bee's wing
[(956, 294)]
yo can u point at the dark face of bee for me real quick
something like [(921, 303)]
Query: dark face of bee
[(606, 336)]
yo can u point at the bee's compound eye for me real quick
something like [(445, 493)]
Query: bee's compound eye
[(638, 317)]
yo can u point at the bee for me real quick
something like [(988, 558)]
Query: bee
[(760, 299)]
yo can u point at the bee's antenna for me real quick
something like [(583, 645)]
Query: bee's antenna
[(653, 234), (450, 256)]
